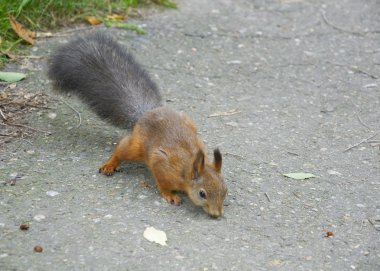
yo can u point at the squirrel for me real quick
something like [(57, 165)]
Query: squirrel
[(105, 76)]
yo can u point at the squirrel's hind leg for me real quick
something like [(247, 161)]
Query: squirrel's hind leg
[(128, 149)]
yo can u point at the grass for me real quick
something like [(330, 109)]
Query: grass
[(46, 15)]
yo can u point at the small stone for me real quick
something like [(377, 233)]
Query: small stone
[(232, 123), (39, 217), (333, 172), (234, 62), (38, 249), (370, 85), (52, 115), (52, 193), (24, 226), (360, 205)]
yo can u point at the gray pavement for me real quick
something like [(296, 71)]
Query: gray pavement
[(303, 79)]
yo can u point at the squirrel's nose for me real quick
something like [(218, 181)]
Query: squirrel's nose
[(216, 213)]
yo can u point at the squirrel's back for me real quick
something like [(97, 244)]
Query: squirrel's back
[(103, 74)]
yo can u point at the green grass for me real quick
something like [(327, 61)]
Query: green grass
[(46, 15)]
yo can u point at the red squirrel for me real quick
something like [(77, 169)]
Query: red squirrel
[(104, 75)]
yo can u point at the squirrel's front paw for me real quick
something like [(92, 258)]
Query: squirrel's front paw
[(172, 198), (107, 170)]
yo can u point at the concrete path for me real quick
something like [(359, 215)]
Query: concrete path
[(300, 82)]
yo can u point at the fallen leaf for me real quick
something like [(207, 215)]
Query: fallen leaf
[(156, 236), (11, 77), (299, 175), (24, 33), (93, 20), (116, 17), (227, 113)]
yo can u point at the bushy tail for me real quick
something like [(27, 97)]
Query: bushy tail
[(106, 77)]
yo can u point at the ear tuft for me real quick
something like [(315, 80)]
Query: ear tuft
[(217, 160), (199, 164)]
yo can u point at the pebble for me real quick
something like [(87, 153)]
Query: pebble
[(39, 217), (52, 193), (38, 249), (333, 172)]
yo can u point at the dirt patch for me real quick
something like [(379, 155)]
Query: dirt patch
[(14, 105)]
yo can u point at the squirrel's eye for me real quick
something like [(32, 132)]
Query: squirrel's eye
[(202, 194)]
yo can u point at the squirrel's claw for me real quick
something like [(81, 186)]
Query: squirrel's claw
[(107, 170), (172, 198)]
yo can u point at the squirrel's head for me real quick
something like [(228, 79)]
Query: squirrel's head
[(208, 187)]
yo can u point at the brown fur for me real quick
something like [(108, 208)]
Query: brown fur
[(168, 143)]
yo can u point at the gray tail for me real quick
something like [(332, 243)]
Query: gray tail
[(104, 75)]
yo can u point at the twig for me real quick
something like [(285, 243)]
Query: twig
[(8, 135), (324, 17), (361, 224), (361, 142), (293, 153), (234, 155), (2, 114), (27, 104), (227, 113), (354, 69), (266, 194), (25, 126), (365, 125), (79, 116), (295, 194)]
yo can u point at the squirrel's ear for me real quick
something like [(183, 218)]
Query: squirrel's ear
[(217, 160), (199, 164)]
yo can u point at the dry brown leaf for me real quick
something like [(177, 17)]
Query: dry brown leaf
[(93, 20), (116, 17), (24, 33)]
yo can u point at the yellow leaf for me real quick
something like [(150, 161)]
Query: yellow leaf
[(116, 17)]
